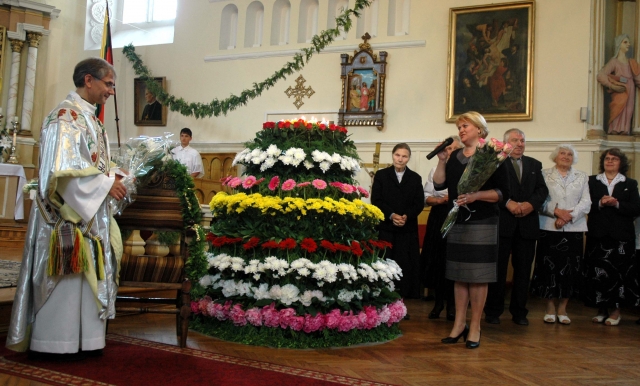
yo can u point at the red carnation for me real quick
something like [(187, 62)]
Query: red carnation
[(328, 245), (355, 248), (220, 241), (296, 124), (333, 127), (210, 237), (234, 240), (309, 245), (364, 244), (281, 124), (252, 243), (287, 243), (342, 129), (270, 245)]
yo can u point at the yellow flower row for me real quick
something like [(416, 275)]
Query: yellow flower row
[(272, 205)]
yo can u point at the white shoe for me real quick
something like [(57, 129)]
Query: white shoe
[(564, 319), (599, 318), (548, 318), (613, 322)]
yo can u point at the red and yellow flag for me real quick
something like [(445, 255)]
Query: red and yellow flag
[(105, 52)]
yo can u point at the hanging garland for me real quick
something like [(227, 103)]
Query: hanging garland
[(217, 107)]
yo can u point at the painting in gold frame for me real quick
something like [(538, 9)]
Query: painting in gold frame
[(490, 66), (147, 110)]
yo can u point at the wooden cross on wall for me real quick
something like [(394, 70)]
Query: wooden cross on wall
[(299, 92)]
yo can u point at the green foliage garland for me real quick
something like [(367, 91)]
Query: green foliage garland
[(281, 338), (196, 265), (217, 107)]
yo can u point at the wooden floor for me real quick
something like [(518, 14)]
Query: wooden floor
[(538, 354)]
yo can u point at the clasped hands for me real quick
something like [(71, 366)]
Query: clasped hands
[(519, 209), (398, 220), (563, 217), (608, 201)]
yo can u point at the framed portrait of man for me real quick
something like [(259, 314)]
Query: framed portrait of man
[(148, 110), (491, 61)]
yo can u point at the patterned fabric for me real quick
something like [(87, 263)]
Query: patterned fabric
[(558, 259), (152, 269), (472, 251), (611, 273)]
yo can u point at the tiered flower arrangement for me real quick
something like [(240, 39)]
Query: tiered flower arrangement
[(294, 257)]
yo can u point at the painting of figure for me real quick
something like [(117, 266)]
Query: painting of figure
[(361, 83), (490, 68)]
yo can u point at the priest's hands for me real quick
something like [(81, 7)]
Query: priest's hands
[(118, 191)]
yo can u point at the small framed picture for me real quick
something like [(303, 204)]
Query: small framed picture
[(148, 111)]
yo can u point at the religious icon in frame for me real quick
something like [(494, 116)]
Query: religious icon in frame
[(363, 77), (491, 61), (148, 111)]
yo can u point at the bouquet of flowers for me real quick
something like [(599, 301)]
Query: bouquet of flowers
[(137, 159), (5, 142), (488, 157)]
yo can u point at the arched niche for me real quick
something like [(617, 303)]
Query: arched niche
[(280, 22), (336, 8), (399, 12), (254, 23), (368, 20), (308, 20), (228, 27)]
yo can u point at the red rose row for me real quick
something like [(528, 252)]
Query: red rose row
[(301, 124)]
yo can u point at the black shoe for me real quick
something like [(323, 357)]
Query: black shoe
[(492, 319), (471, 344), (452, 339), (521, 321), (437, 309)]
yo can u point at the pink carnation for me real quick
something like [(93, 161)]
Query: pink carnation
[(203, 303), (398, 310), (270, 316), (234, 182), (332, 319), (288, 185), (348, 322), (274, 183), (296, 323), (303, 184), (249, 182), (384, 315), (373, 318), (319, 184), (237, 315), (313, 323), (285, 317), (254, 316), (363, 191), (194, 308)]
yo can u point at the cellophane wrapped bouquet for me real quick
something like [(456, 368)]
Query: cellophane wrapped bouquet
[(137, 159), (488, 157)]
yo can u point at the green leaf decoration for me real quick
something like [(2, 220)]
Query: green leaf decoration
[(222, 107)]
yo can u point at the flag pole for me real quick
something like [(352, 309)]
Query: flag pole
[(115, 104)]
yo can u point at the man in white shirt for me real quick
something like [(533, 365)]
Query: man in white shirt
[(187, 155)]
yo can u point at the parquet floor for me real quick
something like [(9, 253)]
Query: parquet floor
[(539, 354)]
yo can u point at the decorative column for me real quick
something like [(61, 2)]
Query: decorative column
[(595, 104), (30, 80), (16, 48)]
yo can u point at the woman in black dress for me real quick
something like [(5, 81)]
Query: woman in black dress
[(434, 247), (472, 244), (611, 274), (397, 191)]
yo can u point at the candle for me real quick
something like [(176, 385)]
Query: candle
[(14, 138)]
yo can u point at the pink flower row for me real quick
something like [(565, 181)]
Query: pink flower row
[(370, 317), (251, 181)]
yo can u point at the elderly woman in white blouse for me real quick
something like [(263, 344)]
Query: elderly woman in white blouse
[(563, 221)]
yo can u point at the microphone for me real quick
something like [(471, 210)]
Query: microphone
[(440, 148)]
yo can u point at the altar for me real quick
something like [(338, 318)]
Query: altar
[(12, 179)]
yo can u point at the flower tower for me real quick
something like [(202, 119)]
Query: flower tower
[(294, 258)]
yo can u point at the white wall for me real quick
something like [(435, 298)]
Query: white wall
[(415, 88)]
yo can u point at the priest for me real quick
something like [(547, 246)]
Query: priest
[(68, 280)]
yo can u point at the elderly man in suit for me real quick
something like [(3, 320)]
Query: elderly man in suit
[(519, 230)]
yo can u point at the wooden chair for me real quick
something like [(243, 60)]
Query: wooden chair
[(157, 208)]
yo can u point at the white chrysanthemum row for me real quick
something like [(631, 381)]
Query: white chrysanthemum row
[(286, 294), (294, 157), (324, 271)]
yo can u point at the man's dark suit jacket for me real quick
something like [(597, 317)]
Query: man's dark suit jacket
[(610, 221), (402, 198), (152, 112), (532, 189)]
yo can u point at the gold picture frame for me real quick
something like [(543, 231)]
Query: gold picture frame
[(148, 112), (490, 61)]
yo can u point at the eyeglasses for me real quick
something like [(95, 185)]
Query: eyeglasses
[(612, 159), (110, 85)]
